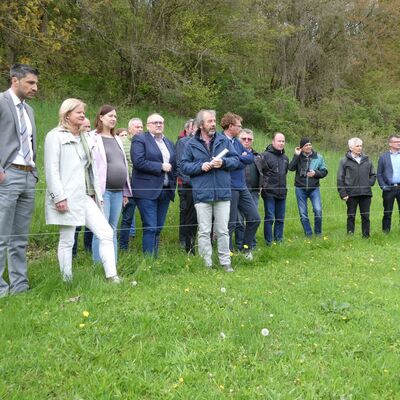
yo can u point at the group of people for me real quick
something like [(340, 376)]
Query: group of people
[(93, 176)]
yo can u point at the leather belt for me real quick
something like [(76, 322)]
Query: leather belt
[(26, 168)]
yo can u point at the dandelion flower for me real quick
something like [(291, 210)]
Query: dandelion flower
[(221, 387), (230, 254), (180, 380), (222, 335), (223, 290), (85, 314), (187, 290), (271, 315), (264, 332), (81, 326), (245, 246), (134, 283)]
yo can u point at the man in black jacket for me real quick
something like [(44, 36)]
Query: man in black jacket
[(274, 166), (355, 178)]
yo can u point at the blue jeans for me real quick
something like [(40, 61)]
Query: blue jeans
[(128, 220), (314, 195), (153, 214), (112, 204), (274, 216)]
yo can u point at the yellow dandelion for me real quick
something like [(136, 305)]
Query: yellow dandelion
[(394, 269), (221, 387), (386, 370), (231, 254), (325, 237), (187, 290), (81, 326), (85, 314), (245, 246), (180, 380)]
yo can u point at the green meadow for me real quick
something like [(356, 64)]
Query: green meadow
[(307, 319)]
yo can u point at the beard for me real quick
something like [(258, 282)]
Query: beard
[(209, 132)]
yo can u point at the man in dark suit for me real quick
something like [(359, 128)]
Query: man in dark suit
[(153, 179), (18, 176)]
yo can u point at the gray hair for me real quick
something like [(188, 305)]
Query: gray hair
[(19, 71), (133, 120), (151, 116), (246, 131), (200, 116), (188, 123), (354, 141)]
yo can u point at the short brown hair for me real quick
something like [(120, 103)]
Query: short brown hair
[(230, 119)]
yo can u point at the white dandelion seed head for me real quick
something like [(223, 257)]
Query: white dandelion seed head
[(264, 332), (134, 283), (223, 290), (222, 335)]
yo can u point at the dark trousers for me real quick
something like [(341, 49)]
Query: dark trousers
[(364, 202), (87, 240), (189, 220), (128, 216), (182, 207), (389, 196), (243, 201), (153, 213), (274, 217)]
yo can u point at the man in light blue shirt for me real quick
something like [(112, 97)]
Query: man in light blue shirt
[(389, 180)]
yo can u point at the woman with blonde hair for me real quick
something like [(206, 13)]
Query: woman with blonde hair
[(73, 190)]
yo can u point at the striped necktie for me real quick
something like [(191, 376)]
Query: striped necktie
[(24, 134)]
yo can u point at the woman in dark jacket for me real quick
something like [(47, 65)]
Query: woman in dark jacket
[(355, 178)]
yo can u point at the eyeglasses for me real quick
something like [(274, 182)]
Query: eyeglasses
[(156, 122), (246, 139)]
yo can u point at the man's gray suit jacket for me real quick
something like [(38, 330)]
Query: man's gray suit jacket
[(9, 132)]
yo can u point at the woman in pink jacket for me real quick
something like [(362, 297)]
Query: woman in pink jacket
[(112, 170)]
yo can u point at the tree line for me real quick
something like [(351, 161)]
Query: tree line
[(328, 69)]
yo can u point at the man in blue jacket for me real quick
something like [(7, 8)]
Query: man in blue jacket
[(389, 180), (208, 159), (153, 179), (241, 198)]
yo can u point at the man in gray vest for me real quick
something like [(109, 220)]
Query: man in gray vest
[(18, 176)]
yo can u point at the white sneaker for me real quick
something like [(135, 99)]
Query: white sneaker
[(114, 279), (228, 268)]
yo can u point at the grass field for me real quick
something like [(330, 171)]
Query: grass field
[(329, 305)]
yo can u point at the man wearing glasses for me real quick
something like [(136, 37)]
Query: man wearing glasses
[(241, 198), (253, 182), (389, 180), (153, 179)]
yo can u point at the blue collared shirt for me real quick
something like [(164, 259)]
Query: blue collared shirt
[(395, 159)]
